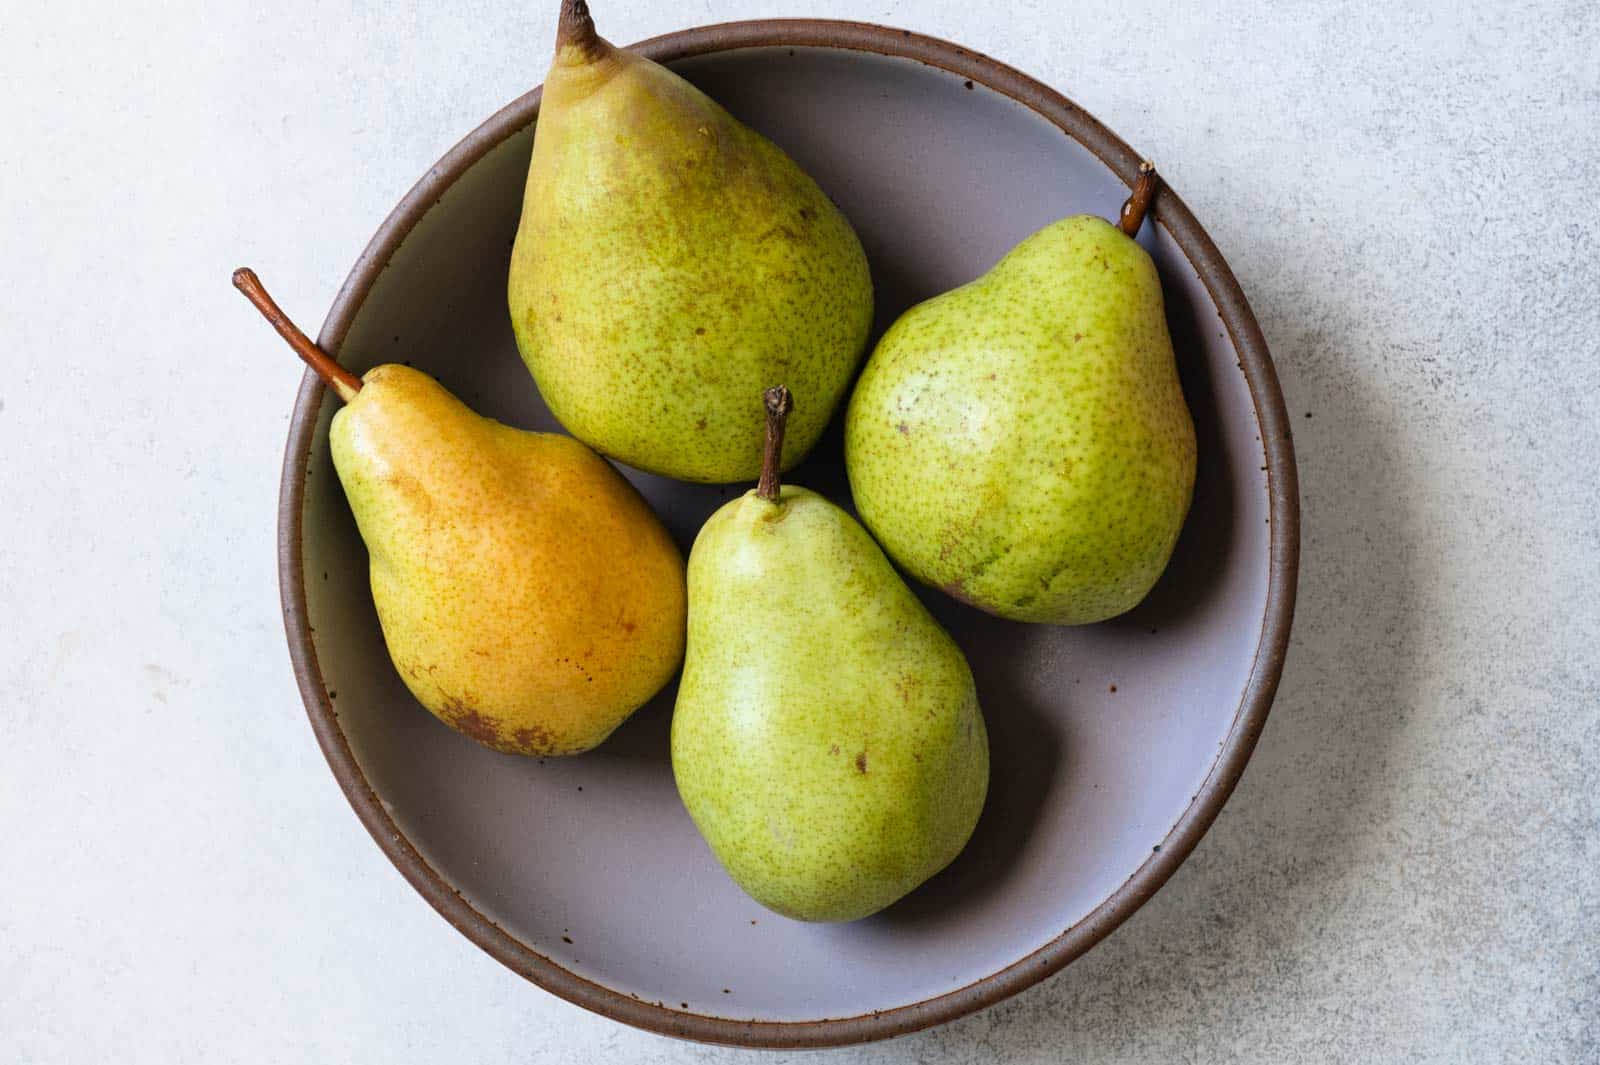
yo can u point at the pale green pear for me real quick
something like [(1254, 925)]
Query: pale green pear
[(528, 595), (670, 264), (1022, 441), (827, 739)]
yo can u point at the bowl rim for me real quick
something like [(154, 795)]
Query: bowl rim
[(1283, 513)]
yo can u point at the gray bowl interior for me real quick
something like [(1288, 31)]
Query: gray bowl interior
[(1101, 736)]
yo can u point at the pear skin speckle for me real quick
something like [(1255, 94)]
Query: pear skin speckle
[(1022, 442)]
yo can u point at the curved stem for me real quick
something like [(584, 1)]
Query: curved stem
[(779, 404), (1144, 190), (338, 378)]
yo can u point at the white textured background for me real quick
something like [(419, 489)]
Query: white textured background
[(1411, 867)]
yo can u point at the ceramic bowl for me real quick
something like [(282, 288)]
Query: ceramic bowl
[(1114, 745)]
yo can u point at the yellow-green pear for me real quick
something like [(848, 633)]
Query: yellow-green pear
[(671, 263), (1022, 441), (827, 740), (528, 595)]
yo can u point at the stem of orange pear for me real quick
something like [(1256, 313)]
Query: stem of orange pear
[(779, 404), (1144, 190), (338, 378)]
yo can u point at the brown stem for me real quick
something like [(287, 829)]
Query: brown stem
[(1144, 190), (779, 404), (575, 29), (338, 378)]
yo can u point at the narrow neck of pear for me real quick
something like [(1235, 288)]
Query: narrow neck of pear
[(1138, 202), (779, 403), (342, 381)]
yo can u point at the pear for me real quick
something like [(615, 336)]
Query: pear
[(827, 740), (1022, 441), (528, 596), (670, 263)]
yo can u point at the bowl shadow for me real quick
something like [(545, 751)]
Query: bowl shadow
[(1028, 745), (1185, 587)]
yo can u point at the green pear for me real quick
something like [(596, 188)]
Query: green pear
[(827, 739), (1022, 441), (670, 263), (528, 595)]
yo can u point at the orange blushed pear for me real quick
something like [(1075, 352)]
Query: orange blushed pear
[(528, 595)]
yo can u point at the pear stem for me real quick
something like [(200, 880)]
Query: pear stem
[(337, 377), (779, 404), (575, 29), (1144, 190)]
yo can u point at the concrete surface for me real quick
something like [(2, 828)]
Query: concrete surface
[(1411, 867)]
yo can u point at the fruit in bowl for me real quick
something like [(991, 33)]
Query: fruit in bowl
[(528, 596), (1022, 441), (827, 738), (586, 875), (670, 264)]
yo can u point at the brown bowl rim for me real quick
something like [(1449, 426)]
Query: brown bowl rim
[(1284, 515)]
